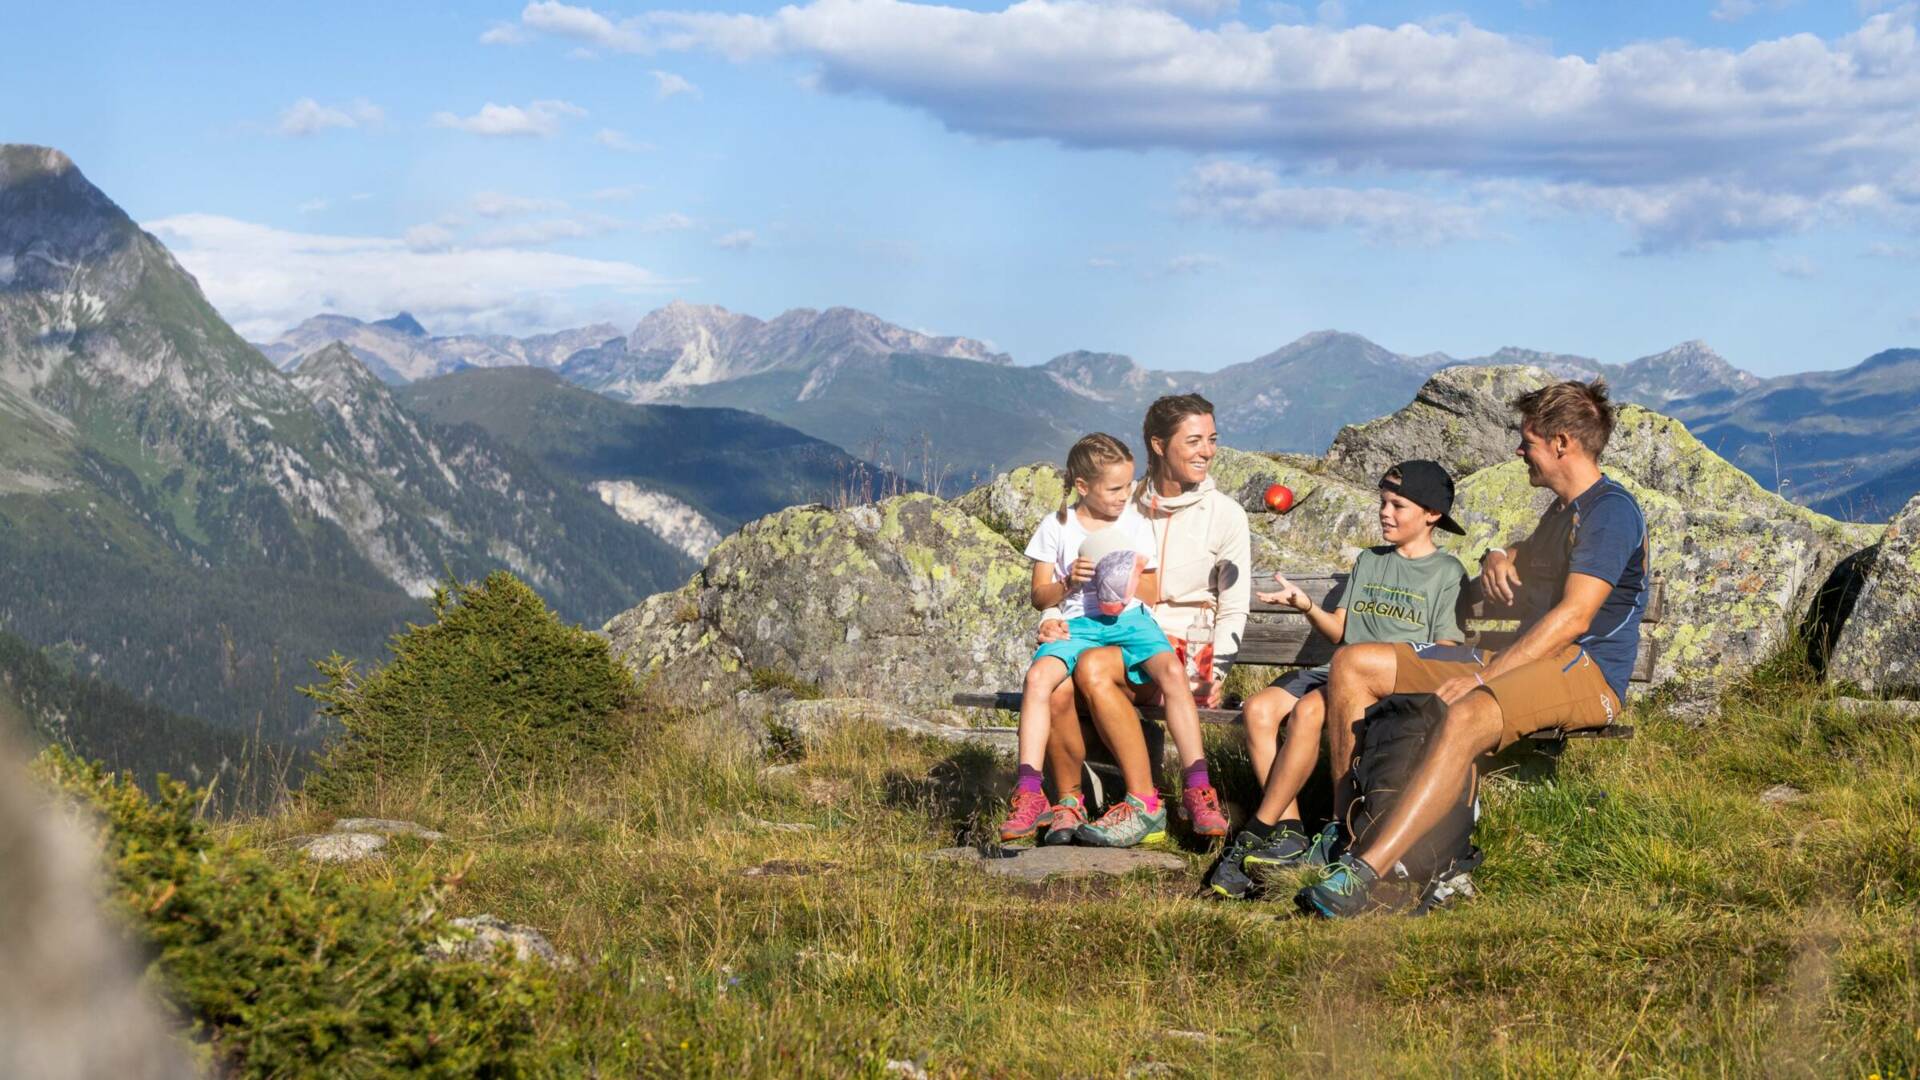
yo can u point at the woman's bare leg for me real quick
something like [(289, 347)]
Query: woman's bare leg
[(1102, 677), (1183, 717), (1263, 715)]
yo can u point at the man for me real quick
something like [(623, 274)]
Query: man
[(1580, 583)]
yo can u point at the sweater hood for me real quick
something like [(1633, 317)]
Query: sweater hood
[(1152, 504)]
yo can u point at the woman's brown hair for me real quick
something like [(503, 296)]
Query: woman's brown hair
[(1084, 462), (1164, 417)]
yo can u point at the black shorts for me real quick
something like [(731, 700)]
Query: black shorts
[(1302, 682)]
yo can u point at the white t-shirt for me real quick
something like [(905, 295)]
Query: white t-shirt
[(1059, 544)]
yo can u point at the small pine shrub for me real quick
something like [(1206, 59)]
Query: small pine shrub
[(494, 695), (286, 974)]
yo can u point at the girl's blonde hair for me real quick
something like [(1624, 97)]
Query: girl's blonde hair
[(1084, 462)]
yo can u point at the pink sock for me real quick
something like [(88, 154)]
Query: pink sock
[(1150, 797), (1195, 775), (1027, 778)]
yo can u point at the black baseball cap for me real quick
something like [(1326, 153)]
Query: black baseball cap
[(1428, 485)]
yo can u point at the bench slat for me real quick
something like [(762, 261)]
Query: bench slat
[(1009, 700)]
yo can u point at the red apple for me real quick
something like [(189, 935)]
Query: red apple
[(1279, 498)]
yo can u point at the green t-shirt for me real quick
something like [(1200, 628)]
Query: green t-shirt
[(1390, 597)]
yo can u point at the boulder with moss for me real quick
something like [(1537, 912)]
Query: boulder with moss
[(1462, 418), (1012, 503), (906, 601), (1879, 644)]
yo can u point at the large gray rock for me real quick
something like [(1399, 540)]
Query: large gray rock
[(344, 847), (1462, 418), (487, 937), (906, 601), (72, 1003), (1879, 644)]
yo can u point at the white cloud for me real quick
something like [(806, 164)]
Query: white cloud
[(1729, 11), (1248, 195), (1781, 127), (1795, 266), (1192, 264), (667, 85), (314, 206), (494, 204), (264, 279), (738, 240), (1880, 249), (614, 140), (540, 119), (501, 33), (1101, 262), (430, 237), (545, 231), (672, 222), (309, 117), (584, 24)]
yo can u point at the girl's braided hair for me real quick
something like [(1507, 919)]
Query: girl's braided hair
[(1084, 462)]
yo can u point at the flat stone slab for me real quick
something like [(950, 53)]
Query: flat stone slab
[(1871, 705), (1041, 863), (344, 847), (385, 827)]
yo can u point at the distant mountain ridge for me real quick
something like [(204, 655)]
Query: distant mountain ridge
[(400, 350)]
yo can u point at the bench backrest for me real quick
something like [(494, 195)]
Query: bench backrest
[(1281, 637)]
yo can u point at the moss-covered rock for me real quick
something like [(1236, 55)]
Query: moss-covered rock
[(906, 601), (1462, 418), (1013, 503), (1879, 644)]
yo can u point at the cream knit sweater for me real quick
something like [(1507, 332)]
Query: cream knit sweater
[(1197, 531)]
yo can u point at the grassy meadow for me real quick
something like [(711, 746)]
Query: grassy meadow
[(1642, 911)]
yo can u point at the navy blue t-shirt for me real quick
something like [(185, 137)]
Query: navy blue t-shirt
[(1602, 534)]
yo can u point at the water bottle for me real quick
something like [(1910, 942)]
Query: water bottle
[(1200, 657)]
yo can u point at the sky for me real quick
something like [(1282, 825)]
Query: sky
[(1193, 183)]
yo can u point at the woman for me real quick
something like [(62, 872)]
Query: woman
[(1204, 563)]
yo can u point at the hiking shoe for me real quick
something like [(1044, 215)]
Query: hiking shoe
[(1125, 824), (1200, 805), (1068, 815), (1342, 894), (1229, 877), (1290, 849), (1029, 811)]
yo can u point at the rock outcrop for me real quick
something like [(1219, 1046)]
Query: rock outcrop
[(1462, 418), (1879, 644), (905, 601)]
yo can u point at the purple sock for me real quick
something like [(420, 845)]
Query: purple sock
[(1026, 778), (1195, 775)]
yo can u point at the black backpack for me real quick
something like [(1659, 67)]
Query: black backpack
[(1391, 749)]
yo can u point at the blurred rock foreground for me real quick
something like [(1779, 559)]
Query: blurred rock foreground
[(910, 600)]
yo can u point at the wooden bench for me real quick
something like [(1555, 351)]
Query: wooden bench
[(1281, 637)]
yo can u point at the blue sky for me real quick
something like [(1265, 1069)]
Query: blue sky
[(1191, 182)]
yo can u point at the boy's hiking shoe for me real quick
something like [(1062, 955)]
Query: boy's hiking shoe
[(1068, 815), (1200, 805), (1126, 823), (1030, 810), (1289, 849), (1343, 893), (1229, 877)]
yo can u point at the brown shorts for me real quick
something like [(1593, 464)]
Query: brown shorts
[(1565, 691)]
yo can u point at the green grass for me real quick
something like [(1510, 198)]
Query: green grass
[(1642, 913)]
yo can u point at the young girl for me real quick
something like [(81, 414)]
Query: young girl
[(1103, 605), (1404, 590)]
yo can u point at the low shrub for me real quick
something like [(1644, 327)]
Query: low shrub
[(284, 974), (496, 694)]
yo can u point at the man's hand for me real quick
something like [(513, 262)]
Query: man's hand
[(1499, 577), (1454, 689), (1052, 630), (1080, 574), (1289, 594)]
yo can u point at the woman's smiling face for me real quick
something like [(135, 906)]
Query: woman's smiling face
[(1189, 450)]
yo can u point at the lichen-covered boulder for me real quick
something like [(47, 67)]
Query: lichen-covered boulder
[(1879, 644), (1741, 564), (1331, 519), (907, 601), (1013, 503), (1462, 418)]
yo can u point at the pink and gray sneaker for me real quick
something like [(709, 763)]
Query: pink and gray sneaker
[(1200, 805), (1030, 811)]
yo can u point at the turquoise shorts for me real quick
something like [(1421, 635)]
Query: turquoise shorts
[(1139, 637)]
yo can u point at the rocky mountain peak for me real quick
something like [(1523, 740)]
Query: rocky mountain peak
[(51, 218), (1687, 369), (334, 373), (404, 323)]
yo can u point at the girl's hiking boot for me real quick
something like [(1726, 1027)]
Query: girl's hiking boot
[(1229, 877), (1286, 850), (1068, 815), (1030, 810), (1200, 805), (1126, 823), (1343, 893)]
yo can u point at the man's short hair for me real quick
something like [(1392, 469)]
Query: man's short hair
[(1578, 410)]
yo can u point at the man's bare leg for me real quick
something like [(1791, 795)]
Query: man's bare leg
[(1361, 676), (1102, 677), (1472, 728)]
